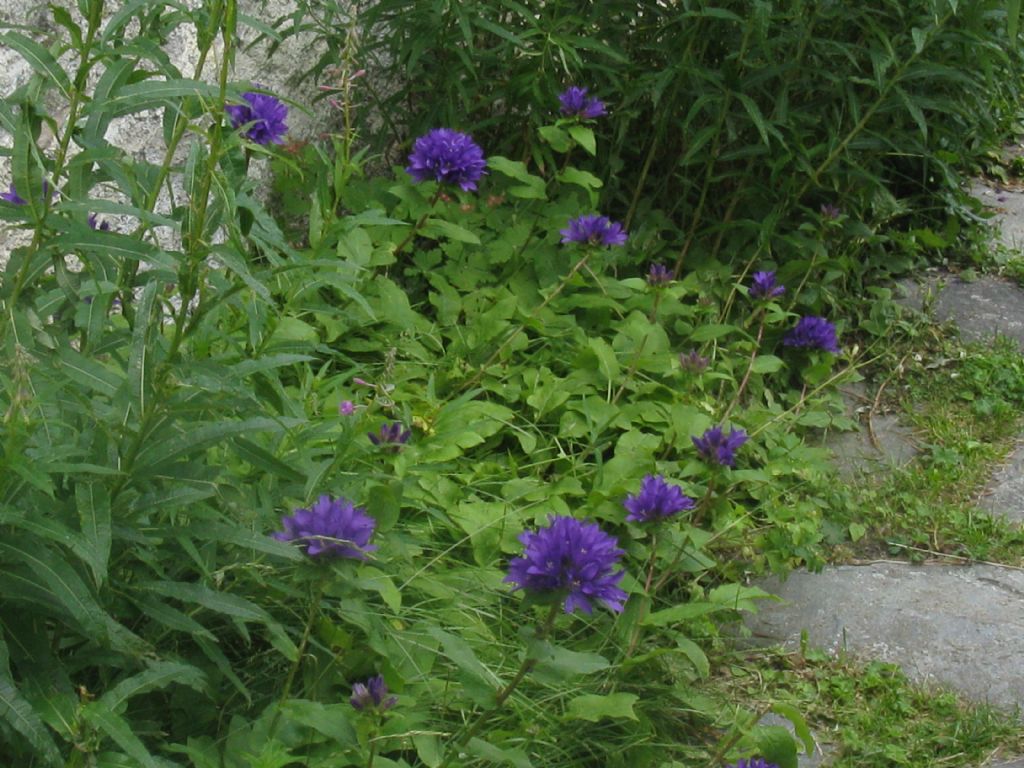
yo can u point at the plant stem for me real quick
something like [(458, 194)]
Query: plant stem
[(750, 367), (316, 595), (419, 224), (465, 734)]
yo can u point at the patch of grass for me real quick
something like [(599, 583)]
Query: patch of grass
[(870, 715), (965, 401)]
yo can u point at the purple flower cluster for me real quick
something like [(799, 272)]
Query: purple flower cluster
[(659, 275), (693, 361), (754, 762), (813, 333), (830, 211), (393, 435), (570, 558), (764, 286), (656, 500), (266, 114), (592, 229), (448, 157), (372, 695), (332, 527), (575, 103), (719, 447)]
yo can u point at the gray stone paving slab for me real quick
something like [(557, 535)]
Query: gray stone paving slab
[(880, 444), (1008, 206), (958, 626), (980, 309), (1005, 492)]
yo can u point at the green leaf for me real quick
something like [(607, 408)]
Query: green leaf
[(40, 59), (533, 187), (18, 713), (607, 362), (434, 227), (498, 755), (151, 94), (711, 331), (580, 178), (559, 140), (695, 655), (211, 599), (120, 732), (479, 682), (1013, 9), (138, 364), (158, 676), (680, 613), (776, 745), (739, 597), (800, 727), (592, 707), (766, 364), (61, 581), (584, 137), (555, 664), (93, 502), (88, 372), (200, 436)]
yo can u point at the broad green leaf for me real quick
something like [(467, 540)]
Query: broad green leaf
[(533, 187), (559, 140), (800, 727), (711, 331), (592, 707), (40, 59), (151, 94), (607, 362), (695, 654), (584, 137), (739, 597), (20, 716), (555, 664), (680, 613), (580, 178), (766, 364), (434, 227), (776, 745), (158, 676), (220, 602), (138, 363), (80, 237), (120, 732), (479, 682), (88, 372), (200, 436), (61, 581), (498, 755), (93, 502)]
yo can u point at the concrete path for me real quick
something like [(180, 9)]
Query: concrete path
[(955, 626)]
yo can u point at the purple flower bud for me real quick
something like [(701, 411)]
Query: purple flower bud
[(813, 333), (372, 695), (575, 103), (12, 196), (656, 500), (659, 275), (830, 211), (346, 408), (763, 286), (392, 436), (719, 447), (592, 229), (693, 361)]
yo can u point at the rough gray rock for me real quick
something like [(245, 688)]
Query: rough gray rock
[(880, 444), (981, 309), (958, 626), (1005, 492), (1008, 207)]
